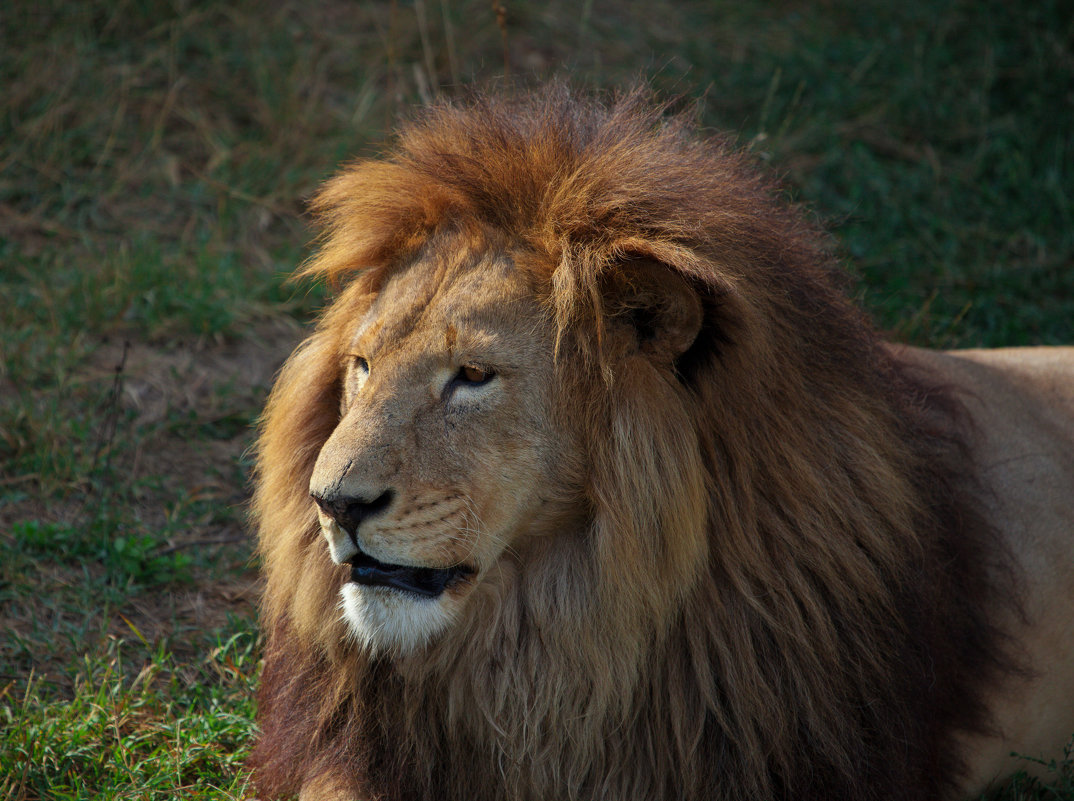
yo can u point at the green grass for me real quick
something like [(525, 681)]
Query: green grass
[(154, 160), (170, 731)]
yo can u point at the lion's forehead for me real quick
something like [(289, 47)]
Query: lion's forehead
[(450, 308)]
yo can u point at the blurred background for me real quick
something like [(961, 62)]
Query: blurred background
[(155, 159)]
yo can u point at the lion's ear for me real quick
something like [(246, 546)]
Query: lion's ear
[(660, 306)]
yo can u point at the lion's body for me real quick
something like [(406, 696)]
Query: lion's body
[(618, 497), (1021, 402)]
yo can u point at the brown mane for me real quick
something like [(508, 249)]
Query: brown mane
[(781, 532)]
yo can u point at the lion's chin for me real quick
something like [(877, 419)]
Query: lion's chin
[(386, 620)]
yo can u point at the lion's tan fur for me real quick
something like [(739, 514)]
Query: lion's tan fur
[(780, 583)]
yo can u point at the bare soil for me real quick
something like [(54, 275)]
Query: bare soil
[(183, 442)]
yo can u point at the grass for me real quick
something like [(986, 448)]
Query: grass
[(155, 159), (171, 730)]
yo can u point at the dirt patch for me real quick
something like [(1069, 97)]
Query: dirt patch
[(208, 378), (200, 402), (184, 422)]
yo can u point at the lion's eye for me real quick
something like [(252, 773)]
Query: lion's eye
[(474, 375), (356, 376)]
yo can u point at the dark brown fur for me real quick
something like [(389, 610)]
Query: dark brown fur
[(838, 633)]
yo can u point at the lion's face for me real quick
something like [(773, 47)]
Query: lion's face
[(447, 441)]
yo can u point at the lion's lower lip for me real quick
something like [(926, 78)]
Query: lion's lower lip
[(428, 582)]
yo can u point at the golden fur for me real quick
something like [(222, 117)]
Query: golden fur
[(724, 543)]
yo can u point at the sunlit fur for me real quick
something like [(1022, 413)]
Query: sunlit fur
[(781, 588)]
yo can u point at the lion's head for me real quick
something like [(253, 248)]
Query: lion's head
[(613, 493), (454, 452)]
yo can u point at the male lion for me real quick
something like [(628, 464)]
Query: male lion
[(615, 495)]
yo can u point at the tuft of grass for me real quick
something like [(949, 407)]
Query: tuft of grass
[(1053, 780), (171, 730), (132, 559)]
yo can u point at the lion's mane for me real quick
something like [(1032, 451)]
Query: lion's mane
[(784, 588)]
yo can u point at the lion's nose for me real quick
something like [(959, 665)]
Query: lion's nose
[(349, 512)]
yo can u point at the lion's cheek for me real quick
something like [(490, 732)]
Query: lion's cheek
[(507, 496)]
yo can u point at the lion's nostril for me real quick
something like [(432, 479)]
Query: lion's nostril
[(349, 512)]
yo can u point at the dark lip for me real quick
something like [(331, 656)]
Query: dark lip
[(425, 582)]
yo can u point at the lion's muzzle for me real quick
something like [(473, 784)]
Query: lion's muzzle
[(348, 513)]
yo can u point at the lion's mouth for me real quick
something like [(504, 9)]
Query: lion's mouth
[(427, 582)]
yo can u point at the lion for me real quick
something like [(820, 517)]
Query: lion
[(591, 482)]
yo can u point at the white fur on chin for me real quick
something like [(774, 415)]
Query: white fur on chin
[(386, 620)]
